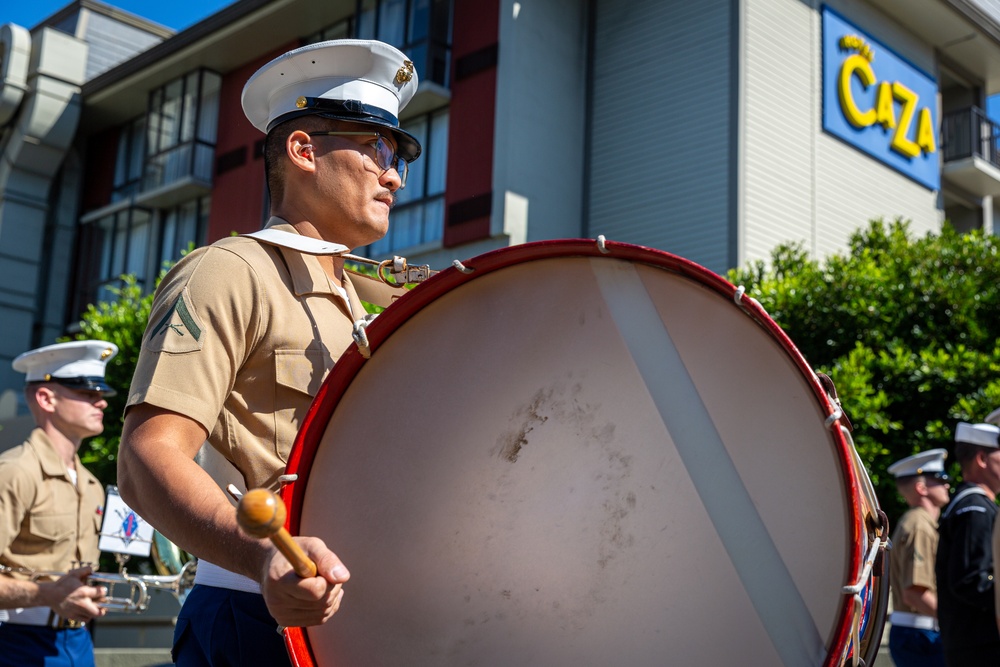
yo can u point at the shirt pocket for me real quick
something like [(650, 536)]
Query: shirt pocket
[(47, 530), (298, 376), (300, 371)]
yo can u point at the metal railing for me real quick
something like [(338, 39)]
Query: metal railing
[(970, 133)]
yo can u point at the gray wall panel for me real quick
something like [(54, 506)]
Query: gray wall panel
[(662, 150), (112, 42)]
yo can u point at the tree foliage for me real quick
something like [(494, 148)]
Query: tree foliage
[(121, 321), (908, 328)]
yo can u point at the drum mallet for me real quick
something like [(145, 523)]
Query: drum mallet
[(260, 513)]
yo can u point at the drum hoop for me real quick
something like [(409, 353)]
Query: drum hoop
[(307, 440)]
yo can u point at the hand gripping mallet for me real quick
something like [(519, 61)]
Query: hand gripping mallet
[(260, 513)]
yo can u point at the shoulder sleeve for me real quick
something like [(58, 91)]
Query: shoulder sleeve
[(923, 551), (18, 487), (206, 315)]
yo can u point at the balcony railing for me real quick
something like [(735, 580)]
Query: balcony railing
[(969, 133)]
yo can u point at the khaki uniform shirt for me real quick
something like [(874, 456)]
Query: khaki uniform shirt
[(914, 548), (46, 521), (240, 338)]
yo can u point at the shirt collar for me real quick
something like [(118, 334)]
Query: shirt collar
[(51, 463), (308, 276)]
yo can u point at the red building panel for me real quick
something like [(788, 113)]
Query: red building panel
[(475, 44), (238, 183)]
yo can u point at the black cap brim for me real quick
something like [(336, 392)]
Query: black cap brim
[(352, 111), (86, 383)]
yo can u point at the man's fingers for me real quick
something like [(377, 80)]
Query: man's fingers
[(328, 565)]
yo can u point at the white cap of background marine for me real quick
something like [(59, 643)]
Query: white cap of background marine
[(78, 364), (930, 463)]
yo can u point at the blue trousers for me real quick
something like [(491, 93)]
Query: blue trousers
[(218, 627), (911, 647), (32, 646)]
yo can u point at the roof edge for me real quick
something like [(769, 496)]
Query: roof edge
[(176, 43), (970, 11), (121, 15)]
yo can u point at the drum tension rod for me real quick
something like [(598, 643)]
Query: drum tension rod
[(601, 245), (461, 267)]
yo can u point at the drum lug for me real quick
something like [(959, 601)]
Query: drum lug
[(361, 338)]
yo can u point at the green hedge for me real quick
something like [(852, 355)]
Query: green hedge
[(907, 328)]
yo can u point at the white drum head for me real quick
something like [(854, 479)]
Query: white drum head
[(569, 458)]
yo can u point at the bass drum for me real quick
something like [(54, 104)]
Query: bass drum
[(583, 453)]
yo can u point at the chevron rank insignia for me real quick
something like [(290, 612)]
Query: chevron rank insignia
[(178, 330)]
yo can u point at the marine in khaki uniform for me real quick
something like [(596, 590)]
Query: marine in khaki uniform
[(914, 638), (244, 332), (51, 509)]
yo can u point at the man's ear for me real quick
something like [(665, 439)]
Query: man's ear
[(45, 398), (300, 151), (981, 458)]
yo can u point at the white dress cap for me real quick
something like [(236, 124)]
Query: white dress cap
[(930, 462), (78, 364), (985, 435), (357, 80)]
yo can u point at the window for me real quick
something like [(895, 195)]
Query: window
[(182, 226), (418, 217), (419, 28), (115, 244), (128, 164), (181, 129), (135, 241)]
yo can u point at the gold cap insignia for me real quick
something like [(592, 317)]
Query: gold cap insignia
[(302, 102), (405, 73), (48, 376), (106, 353)]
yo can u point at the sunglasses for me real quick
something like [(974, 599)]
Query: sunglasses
[(385, 154)]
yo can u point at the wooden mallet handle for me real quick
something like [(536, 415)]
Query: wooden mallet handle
[(260, 513)]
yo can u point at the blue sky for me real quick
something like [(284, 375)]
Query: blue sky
[(176, 14)]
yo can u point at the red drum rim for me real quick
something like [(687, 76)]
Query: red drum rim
[(327, 398)]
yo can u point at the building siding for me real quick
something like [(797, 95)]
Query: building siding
[(661, 143), (989, 7), (110, 42), (801, 184)]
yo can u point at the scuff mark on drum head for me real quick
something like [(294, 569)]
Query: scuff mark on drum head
[(512, 442)]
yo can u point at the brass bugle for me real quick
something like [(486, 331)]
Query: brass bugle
[(139, 585)]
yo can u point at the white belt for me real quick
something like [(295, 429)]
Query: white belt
[(42, 617), (209, 574), (905, 619)]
